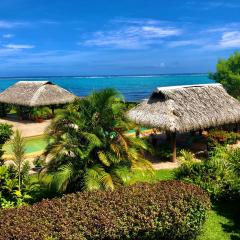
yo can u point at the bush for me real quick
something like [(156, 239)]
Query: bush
[(10, 196), (166, 210), (216, 137), (219, 175), (5, 132)]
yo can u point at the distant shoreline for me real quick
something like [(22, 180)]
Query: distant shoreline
[(104, 76)]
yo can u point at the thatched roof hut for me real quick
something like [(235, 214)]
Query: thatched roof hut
[(187, 108), (35, 93)]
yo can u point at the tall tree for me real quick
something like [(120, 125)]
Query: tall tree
[(87, 145), (18, 149), (228, 74)]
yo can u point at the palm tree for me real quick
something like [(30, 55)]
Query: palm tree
[(18, 149), (87, 145)]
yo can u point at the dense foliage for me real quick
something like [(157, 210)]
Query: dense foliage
[(167, 210), (87, 145), (5, 134), (216, 137), (10, 194), (219, 175), (228, 74)]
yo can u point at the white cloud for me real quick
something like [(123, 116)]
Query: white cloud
[(183, 43), (213, 4), (159, 32), (19, 46), (132, 36), (8, 35), (11, 24), (230, 39)]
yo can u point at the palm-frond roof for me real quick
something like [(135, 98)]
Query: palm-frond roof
[(187, 108), (35, 93)]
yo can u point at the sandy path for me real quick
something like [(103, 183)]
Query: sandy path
[(27, 128)]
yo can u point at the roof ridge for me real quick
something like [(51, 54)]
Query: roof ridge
[(34, 82), (36, 94), (158, 89)]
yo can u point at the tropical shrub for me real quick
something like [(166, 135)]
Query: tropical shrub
[(219, 175), (162, 151), (5, 134), (228, 74), (87, 147), (166, 210), (40, 113), (10, 195), (216, 137)]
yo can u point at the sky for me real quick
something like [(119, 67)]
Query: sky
[(116, 37)]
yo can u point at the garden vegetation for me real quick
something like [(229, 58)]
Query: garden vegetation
[(88, 148), (167, 210)]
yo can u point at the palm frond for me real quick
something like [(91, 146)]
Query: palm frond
[(107, 181), (92, 178), (103, 158), (61, 178), (141, 164)]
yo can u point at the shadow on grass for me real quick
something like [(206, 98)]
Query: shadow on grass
[(231, 211)]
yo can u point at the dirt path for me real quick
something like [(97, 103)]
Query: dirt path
[(165, 165)]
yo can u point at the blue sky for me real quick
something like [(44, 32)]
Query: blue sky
[(93, 37)]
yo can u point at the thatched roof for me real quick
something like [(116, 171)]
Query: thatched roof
[(187, 108), (35, 93)]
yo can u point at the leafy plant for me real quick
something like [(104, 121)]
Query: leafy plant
[(39, 112), (5, 134), (10, 196), (87, 145), (38, 162), (169, 210), (218, 175)]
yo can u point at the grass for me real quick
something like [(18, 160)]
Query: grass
[(223, 222), (155, 176)]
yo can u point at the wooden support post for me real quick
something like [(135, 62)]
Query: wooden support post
[(174, 147), (52, 107)]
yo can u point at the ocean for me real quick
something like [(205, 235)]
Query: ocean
[(133, 88)]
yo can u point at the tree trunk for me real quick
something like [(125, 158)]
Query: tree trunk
[(19, 178), (174, 147)]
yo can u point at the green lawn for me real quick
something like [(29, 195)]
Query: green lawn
[(155, 176), (223, 222)]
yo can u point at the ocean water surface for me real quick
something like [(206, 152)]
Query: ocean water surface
[(133, 88)]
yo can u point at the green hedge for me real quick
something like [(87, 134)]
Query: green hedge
[(166, 210)]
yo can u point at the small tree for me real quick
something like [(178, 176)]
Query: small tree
[(18, 149), (228, 74)]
